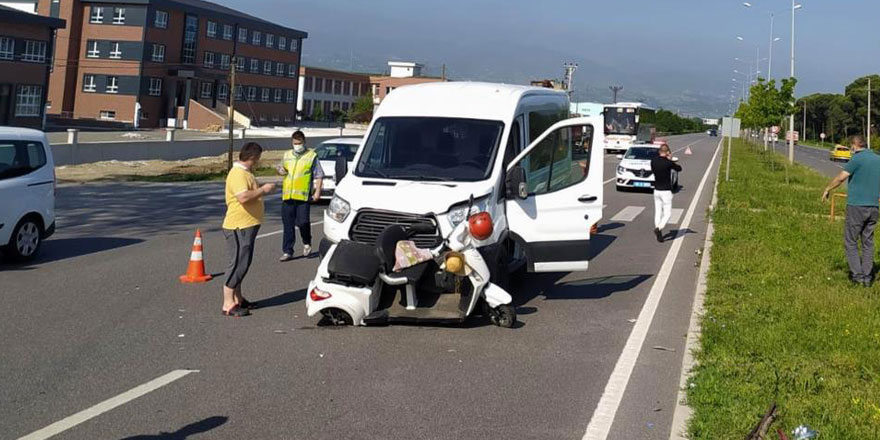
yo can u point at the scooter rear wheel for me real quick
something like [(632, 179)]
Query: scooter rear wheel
[(502, 316), (336, 317)]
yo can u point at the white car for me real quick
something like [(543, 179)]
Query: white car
[(27, 192), (634, 169), (328, 152)]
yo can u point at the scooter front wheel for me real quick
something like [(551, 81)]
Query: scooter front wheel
[(336, 317), (503, 316)]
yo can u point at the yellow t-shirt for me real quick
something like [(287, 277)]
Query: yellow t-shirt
[(238, 215)]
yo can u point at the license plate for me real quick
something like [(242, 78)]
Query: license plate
[(641, 184)]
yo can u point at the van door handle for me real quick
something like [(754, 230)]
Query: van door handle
[(587, 199)]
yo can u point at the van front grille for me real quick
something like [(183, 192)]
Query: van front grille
[(369, 224)]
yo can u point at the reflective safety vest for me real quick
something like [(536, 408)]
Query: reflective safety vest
[(298, 180)]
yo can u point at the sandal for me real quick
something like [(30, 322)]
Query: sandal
[(245, 304), (236, 312)]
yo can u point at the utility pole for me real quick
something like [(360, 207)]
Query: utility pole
[(614, 90), (791, 117), (569, 77), (804, 127), (443, 76), (233, 66)]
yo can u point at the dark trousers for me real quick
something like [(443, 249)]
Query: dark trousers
[(295, 213), (860, 224)]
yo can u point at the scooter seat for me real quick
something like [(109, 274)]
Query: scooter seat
[(353, 263), (412, 274)]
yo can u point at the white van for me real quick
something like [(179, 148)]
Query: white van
[(27, 192), (431, 147)]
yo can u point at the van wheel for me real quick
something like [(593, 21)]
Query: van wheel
[(336, 317), (502, 316), (27, 238)]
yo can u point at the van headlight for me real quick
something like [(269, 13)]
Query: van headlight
[(620, 170), (338, 209), (458, 212)]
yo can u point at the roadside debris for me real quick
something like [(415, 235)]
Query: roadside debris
[(803, 432), (759, 432), (662, 348), (631, 320), (280, 332)]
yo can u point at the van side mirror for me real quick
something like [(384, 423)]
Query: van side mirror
[(515, 183), (619, 157), (341, 168)]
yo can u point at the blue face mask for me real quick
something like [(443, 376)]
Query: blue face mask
[(299, 148)]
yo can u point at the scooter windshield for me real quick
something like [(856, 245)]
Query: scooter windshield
[(430, 149)]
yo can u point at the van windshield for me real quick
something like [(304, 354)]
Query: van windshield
[(430, 149)]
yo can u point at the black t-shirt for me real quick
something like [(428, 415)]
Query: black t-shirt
[(662, 169)]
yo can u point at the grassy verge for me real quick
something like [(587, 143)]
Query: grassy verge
[(782, 322), (193, 177)]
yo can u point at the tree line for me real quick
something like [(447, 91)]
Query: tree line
[(841, 115)]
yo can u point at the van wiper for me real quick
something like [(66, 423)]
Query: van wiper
[(422, 178), (379, 173)]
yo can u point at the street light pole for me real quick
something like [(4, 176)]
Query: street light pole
[(770, 56), (791, 117), (869, 112)]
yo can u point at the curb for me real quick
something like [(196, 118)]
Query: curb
[(683, 412)]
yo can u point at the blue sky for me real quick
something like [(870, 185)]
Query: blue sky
[(662, 48)]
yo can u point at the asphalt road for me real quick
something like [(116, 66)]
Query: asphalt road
[(101, 315), (815, 158)]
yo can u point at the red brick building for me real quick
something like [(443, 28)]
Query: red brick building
[(26, 47), (156, 63)]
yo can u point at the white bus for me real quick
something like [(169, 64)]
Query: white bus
[(622, 123)]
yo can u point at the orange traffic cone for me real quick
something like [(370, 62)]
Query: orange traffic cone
[(195, 272), (687, 151)]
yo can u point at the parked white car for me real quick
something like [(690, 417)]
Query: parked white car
[(433, 147), (328, 153), (634, 169), (27, 192)]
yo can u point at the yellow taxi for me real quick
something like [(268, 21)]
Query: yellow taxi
[(840, 153)]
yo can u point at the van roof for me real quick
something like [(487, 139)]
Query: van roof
[(21, 133), (473, 100)]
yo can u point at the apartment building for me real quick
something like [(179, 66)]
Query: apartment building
[(26, 48), (157, 63)]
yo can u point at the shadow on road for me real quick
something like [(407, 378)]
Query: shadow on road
[(283, 299), (64, 248), (548, 286), (678, 233), (184, 433)]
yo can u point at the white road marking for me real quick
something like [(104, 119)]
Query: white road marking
[(676, 215), (269, 234), (628, 214), (603, 417), (107, 405)]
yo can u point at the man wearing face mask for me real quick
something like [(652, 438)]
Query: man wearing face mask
[(302, 183)]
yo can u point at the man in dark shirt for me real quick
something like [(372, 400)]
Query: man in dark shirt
[(662, 167)]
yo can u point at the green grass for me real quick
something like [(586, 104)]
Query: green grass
[(782, 322), (194, 177)]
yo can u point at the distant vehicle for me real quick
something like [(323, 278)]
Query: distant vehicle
[(622, 123), (328, 153), (27, 192), (840, 153), (634, 169), (712, 132)]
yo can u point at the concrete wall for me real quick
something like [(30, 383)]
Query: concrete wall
[(66, 154)]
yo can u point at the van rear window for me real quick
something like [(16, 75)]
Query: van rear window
[(18, 158)]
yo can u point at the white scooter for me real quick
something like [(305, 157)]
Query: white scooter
[(356, 283)]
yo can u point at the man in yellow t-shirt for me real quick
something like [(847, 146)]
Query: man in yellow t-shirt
[(244, 214)]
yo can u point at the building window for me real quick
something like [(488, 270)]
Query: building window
[(290, 96), (255, 66), (328, 86), (107, 114), (270, 41), (282, 43), (206, 89), (337, 87), (239, 64), (92, 50), (222, 91), (265, 95), (293, 44), (242, 35), (227, 32), (27, 101), (308, 84), (112, 84), (278, 95), (345, 106), (252, 93), (276, 118), (7, 48), (239, 91), (155, 86), (267, 67), (161, 21), (158, 53), (346, 87), (89, 83), (279, 69), (118, 15), (212, 29), (115, 50), (319, 85), (291, 70), (34, 51), (190, 30), (209, 60), (97, 15), (256, 38), (224, 61)]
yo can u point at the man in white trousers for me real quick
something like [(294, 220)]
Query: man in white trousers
[(662, 167)]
